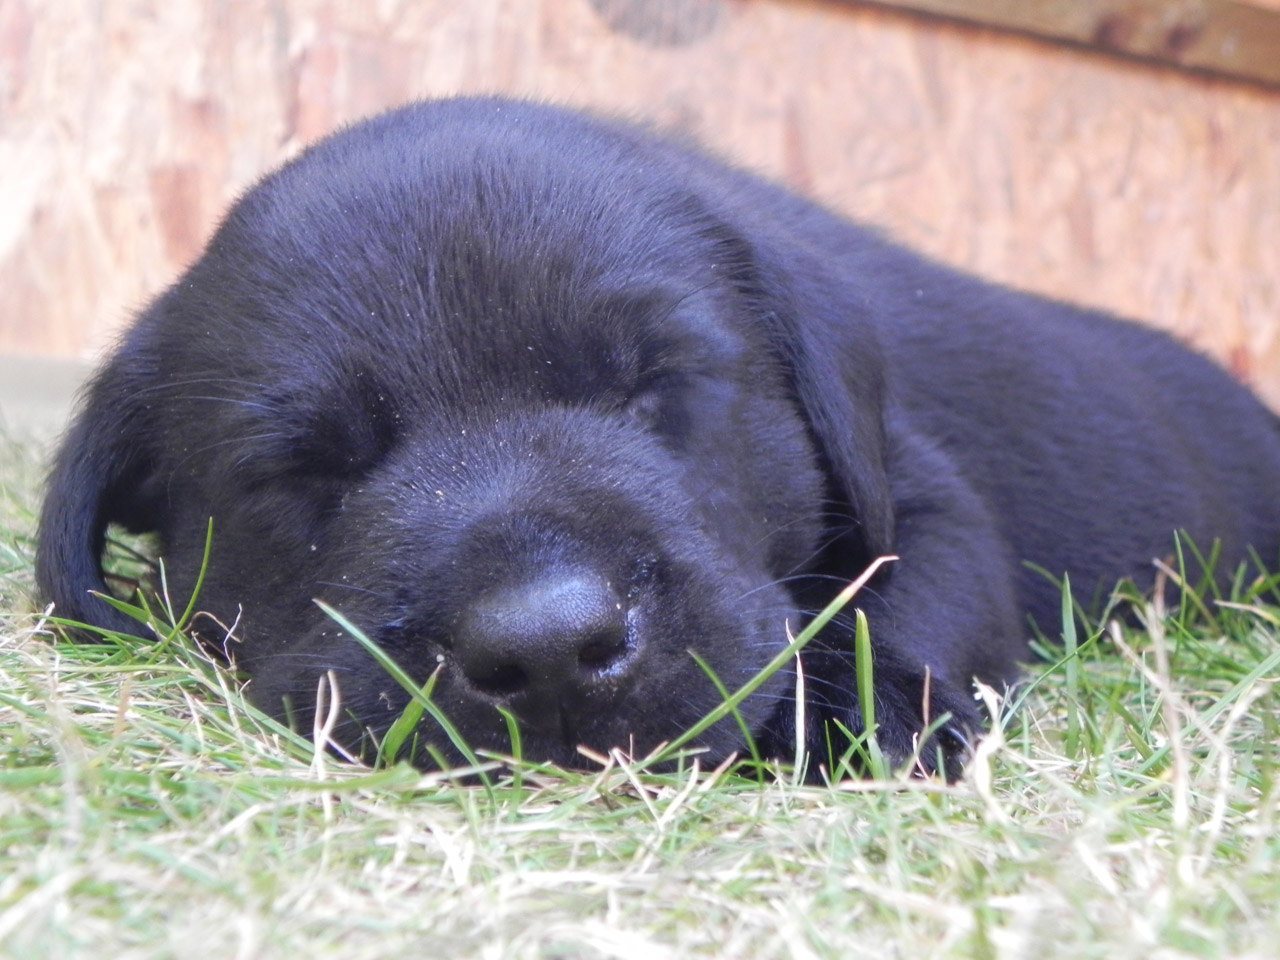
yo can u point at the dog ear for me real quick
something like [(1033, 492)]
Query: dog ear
[(102, 475), (838, 378), (837, 374)]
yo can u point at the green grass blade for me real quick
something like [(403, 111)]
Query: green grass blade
[(398, 732), (1071, 662), (407, 684), (781, 659), (517, 750), (864, 668), (182, 621), (737, 715)]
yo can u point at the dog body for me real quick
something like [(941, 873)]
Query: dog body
[(544, 403)]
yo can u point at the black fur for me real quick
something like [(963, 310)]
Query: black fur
[(549, 402)]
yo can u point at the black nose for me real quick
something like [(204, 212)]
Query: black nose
[(547, 645)]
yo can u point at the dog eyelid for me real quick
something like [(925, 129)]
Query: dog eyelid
[(645, 405)]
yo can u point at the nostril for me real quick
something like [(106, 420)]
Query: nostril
[(603, 650), (552, 640)]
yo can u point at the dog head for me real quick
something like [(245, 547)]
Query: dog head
[(517, 393)]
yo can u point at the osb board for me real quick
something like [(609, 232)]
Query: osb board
[(1143, 190), (1238, 38)]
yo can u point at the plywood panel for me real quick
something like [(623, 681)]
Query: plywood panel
[(1239, 38), (126, 128)]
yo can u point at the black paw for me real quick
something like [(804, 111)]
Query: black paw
[(926, 722), (919, 721)]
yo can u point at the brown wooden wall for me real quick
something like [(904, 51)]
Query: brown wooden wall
[(127, 127)]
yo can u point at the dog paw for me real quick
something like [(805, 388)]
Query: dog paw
[(919, 721)]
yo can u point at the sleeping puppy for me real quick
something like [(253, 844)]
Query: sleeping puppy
[(547, 404)]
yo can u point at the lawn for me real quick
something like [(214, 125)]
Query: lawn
[(1126, 808)]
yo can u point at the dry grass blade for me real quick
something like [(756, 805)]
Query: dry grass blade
[(147, 812)]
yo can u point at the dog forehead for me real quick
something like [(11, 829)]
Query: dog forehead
[(531, 260), (435, 187)]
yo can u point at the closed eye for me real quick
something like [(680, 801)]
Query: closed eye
[(646, 408), (338, 430), (661, 407)]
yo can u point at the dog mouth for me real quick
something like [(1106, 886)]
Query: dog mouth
[(559, 708), (609, 695)]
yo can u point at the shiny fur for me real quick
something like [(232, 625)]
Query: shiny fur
[(545, 403)]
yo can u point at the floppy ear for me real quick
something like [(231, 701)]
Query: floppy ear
[(837, 373), (101, 475)]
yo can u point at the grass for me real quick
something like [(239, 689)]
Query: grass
[(1127, 808)]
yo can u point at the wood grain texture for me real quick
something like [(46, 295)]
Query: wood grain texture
[(1239, 38), (1147, 191)]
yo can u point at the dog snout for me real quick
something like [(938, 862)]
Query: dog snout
[(545, 646)]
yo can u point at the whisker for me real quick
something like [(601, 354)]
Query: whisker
[(199, 381), (221, 443), (356, 589)]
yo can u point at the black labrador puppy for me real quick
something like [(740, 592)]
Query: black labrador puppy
[(547, 404)]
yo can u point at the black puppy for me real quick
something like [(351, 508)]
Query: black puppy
[(547, 403)]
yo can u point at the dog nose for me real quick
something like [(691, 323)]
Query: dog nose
[(546, 644)]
